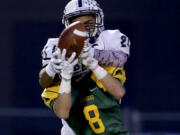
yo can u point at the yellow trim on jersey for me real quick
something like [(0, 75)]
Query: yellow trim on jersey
[(116, 72), (51, 93)]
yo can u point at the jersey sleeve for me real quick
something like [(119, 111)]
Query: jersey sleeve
[(49, 95), (48, 50), (113, 40), (116, 72)]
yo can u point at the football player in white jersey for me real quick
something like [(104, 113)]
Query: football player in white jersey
[(109, 47)]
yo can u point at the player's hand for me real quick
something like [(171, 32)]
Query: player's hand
[(87, 56), (68, 65), (88, 47), (54, 66)]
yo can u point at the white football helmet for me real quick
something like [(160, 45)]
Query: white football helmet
[(84, 7)]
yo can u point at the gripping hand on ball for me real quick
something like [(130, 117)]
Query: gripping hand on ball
[(87, 56), (90, 62), (68, 65), (54, 66)]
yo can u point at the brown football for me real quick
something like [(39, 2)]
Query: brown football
[(72, 38)]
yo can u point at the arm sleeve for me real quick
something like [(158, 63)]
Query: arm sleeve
[(110, 57)]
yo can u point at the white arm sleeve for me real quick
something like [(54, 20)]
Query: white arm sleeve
[(48, 49)]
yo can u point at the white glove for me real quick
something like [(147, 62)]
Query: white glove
[(68, 65), (87, 56), (90, 62), (67, 72), (54, 66)]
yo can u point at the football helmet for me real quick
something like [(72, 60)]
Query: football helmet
[(84, 7), (79, 69)]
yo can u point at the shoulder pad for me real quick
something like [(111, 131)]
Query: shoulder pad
[(48, 49), (52, 41), (113, 40)]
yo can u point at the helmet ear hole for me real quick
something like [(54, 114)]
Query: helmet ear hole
[(77, 67)]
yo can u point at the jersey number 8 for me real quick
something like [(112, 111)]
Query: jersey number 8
[(95, 119)]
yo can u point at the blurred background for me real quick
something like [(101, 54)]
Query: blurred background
[(151, 105)]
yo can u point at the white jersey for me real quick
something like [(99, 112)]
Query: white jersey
[(107, 40)]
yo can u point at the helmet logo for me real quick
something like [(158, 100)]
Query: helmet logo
[(79, 3)]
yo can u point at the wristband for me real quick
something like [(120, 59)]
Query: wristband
[(49, 71), (65, 86), (93, 69), (99, 72)]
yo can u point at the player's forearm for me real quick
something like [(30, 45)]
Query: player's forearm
[(44, 79), (63, 105), (113, 86), (110, 57), (63, 102)]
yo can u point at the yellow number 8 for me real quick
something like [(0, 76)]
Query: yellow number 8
[(94, 119)]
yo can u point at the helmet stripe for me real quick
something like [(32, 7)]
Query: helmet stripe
[(79, 3)]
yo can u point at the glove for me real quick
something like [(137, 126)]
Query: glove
[(68, 65), (54, 66), (87, 56), (67, 72), (90, 62)]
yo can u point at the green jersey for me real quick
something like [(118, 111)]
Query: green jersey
[(94, 111)]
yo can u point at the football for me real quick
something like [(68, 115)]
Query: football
[(72, 38)]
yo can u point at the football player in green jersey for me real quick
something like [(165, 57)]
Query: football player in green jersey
[(90, 105), (89, 102)]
